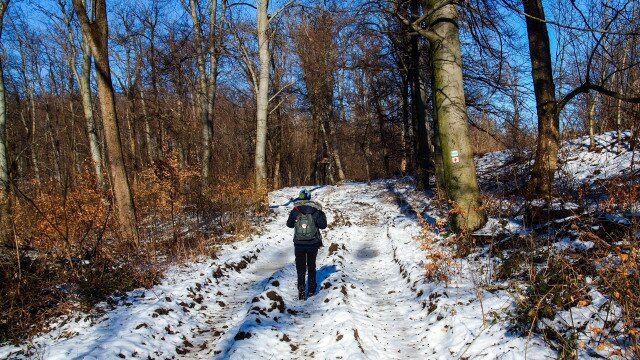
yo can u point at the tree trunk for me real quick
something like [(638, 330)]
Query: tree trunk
[(48, 126), (32, 152), (32, 110), (591, 114), (277, 142), (84, 83), (459, 168), (366, 152), (546, 160), (277, 136), (6, 215), (87, 107), (428, 123), (202, 93), (74, 140), (515, 122), (619, 105), (382, 136), (262, 101), (418, 109), (328, 176), (438, 163), (150, 147), (130, 121), (96, 32), (335, 153), (404, 135), (215, 49), (54, 146)]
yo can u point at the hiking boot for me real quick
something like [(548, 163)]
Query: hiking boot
[(301, 295), (312, 290)]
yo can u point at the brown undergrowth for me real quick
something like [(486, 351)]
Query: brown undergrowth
[(69, 254), (567, 259), (439, 265), (580, 254)]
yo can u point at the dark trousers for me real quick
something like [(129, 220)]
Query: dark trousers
[(306, 259)]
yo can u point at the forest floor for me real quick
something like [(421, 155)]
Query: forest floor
[(392, 285)]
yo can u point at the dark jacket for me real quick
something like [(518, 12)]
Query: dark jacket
[(315, 209)]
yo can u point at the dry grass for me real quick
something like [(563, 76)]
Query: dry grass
[(440, 264), (556, 281), (70, 254)]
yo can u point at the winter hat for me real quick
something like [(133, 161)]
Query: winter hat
[(304, 195)]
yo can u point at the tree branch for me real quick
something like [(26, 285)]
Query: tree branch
[(289, 84), (281, 9), (584, 88), (565, 26)]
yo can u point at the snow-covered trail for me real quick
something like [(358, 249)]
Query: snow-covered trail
[(373, 301), (364, 304)]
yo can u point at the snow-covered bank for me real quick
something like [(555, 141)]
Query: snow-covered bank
[(577, 165)]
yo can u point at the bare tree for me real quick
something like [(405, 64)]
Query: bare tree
[(546, 105), (208, 49), (95, 30), (315, 41), (459, 169), (262, 99), (438, 25), (84, 81), (259, 78), (6, 218), (27, 74), (422, 141)]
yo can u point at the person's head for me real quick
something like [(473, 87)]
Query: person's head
[(304, 195)]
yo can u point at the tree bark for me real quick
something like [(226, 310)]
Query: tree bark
[(96, 32), (48, 126), (459, 168), (546, 160), (147, 129), (326, 153), (32, 109), (215, 49), (438, 163), (202, 92), (277, 133), (84, 82), (335, 153), (418, 109), (87, 107), (207, 75), (382, 133), (515, 120), (6, 215), (405, 132), (619, 105), (262, 101), (591, 114)]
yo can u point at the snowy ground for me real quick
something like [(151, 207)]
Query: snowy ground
[(373, 303), (576, 164)]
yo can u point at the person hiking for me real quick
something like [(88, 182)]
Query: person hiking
[(306, 218)]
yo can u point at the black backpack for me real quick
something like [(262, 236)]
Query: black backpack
[(305, 228)]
